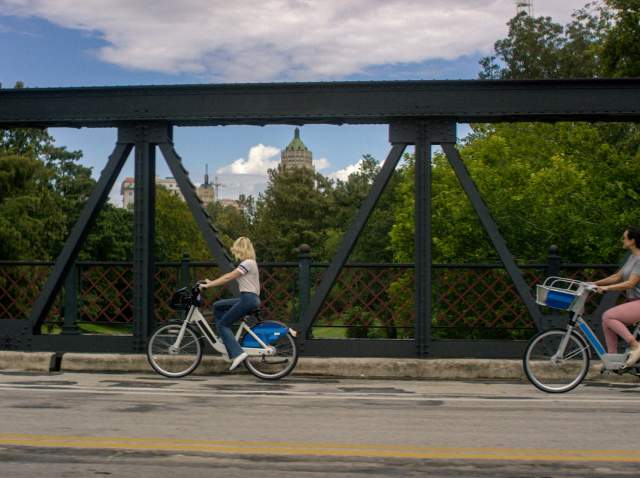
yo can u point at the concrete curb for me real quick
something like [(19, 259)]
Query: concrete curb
[(27, 361), (136, 363), (339, 367), (443, 369)]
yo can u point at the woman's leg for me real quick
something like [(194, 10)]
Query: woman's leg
[(243, 305), (615, 322), (220, 308)]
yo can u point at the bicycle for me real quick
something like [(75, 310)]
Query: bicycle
[(176, 349), (557, 360)]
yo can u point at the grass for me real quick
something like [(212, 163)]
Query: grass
[(90, 328)]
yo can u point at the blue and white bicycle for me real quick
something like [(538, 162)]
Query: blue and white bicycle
[(175, 350), (557, 360)]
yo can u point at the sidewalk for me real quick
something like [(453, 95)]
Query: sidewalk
[(381, 368)]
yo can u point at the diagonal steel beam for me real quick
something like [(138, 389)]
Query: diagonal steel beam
[(492, 230), (350, 238), (79, 232), (203, 220)]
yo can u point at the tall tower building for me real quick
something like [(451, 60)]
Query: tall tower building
[(205, 191), (297, 155)]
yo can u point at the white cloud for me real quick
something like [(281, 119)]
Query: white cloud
[(320, 164), (262, 40), (343, 174), (232, 185), (248, 176), (259, 161)]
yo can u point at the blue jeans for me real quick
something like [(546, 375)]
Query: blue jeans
[(226, 312)]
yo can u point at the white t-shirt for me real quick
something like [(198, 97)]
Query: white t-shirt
[(249, 281)]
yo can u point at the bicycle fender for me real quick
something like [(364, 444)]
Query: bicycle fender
[(268, 331)]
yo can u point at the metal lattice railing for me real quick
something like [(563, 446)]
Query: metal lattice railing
[(368, 300), (20, 284)]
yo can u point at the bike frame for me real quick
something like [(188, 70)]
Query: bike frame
[(578, 324), (194, 316)]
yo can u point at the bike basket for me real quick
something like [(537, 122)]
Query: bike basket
[(555, 299), (559, 293), (181, 299), (268, 333)]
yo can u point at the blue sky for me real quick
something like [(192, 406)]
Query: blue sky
[(49, 43)]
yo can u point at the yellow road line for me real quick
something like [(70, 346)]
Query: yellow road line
[(317, 449)]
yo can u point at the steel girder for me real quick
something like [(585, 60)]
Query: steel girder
[(144, 137), (420, 112), (423, 134), (462, 101)]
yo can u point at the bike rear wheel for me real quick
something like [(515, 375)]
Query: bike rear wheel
[(549, 372), (171, 359), (278, 365)]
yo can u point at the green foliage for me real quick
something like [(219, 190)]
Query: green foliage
[(373, 244), (576, 188), (295, 209), (176, 230), (538, 47), (41, 191), (231, 222), (621, 48)]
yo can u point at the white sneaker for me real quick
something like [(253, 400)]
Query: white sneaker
[(238, 360), (633, 358)]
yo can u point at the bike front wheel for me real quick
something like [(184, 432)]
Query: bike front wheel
[(278, 365), (172, 359), (550, 372)]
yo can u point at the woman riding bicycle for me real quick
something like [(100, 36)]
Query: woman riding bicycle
[(227, 311), (616, 319)]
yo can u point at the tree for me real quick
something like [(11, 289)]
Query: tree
[(621, 48), (539, 48), (373, 244), (43, 190), (575, 189), (296, 208), (176, 230), (230, 222)]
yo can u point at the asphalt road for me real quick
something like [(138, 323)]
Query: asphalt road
[(131, 425)]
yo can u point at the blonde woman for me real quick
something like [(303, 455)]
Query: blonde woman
[(227, 311)]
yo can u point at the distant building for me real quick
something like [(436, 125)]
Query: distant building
[(230, 202), (128, 185), (297, 155), (205, 191), (170, 184)]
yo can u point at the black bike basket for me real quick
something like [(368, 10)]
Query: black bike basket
[(181, 299)]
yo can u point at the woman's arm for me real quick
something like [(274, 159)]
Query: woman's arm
[(612, 279), (229, 276), (630, 283)]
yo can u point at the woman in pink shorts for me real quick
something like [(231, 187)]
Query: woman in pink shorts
[(616, 320)]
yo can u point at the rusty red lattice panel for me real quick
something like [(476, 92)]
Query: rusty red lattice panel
[(279, 292), (20, 285), (463, 297), (106, 294), (368, 297), (480, 298)]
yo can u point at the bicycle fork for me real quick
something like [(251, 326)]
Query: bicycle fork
[(559, 355)]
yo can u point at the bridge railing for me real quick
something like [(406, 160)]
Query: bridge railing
[(470, 301)]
